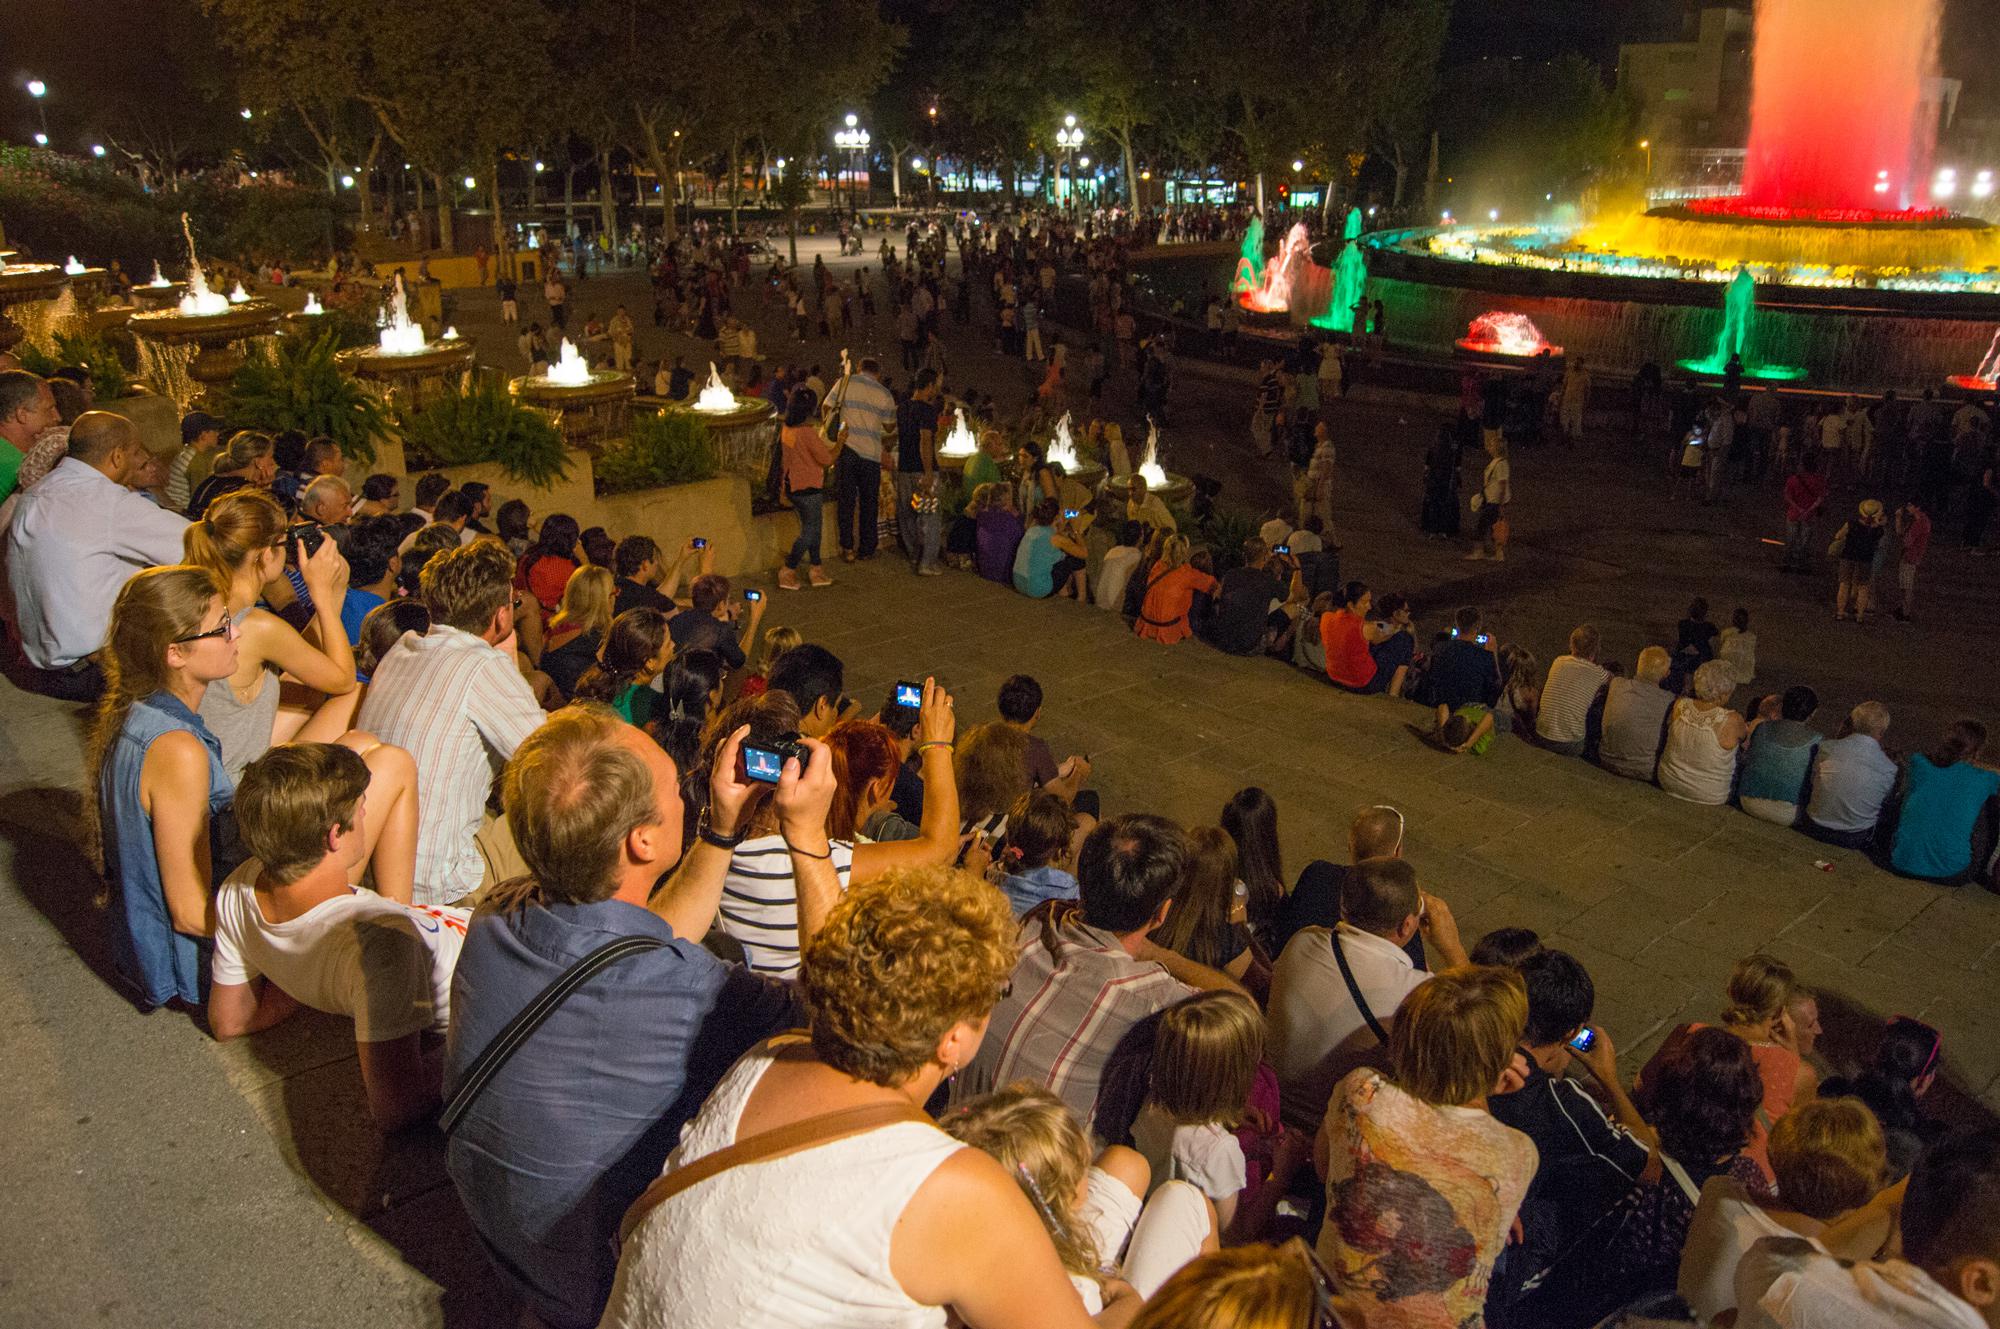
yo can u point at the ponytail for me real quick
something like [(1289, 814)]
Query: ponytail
[(633, 642), (236, 527)]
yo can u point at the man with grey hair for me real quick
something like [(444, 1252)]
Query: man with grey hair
[(27, 407), (75, 539), (1852, 780), (327, 501)]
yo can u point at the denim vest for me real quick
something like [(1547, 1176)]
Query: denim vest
[(159, 961)]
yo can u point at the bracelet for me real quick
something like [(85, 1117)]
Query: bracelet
[(710, 837), (944, 743), (807, 853)]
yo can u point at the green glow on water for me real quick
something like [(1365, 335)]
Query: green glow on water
[(1250, 260), (1350, 279), (1739, 318)]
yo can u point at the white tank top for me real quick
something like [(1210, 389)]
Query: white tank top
[(796, 1242), (1694, 765)]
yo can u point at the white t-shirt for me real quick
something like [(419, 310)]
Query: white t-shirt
[(1498, 482), (386, 965), (1793, 1283), (1206, 1155), (1572, 686), (1726, 1223)]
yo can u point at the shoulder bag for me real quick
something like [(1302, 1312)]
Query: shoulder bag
[(1354, 989)]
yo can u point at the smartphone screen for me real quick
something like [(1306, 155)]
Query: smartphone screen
[(701, 542), (762, 764), (753, 596), (909, 694), (1482, 639), (1583, 1041)]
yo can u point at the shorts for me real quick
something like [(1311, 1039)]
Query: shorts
[(1906, 576), (1066, 567)]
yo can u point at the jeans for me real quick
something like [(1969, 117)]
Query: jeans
[(857, 485), (919, 530), (810, 504), (1798, 542)]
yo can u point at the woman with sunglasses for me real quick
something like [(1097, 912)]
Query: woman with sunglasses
[(242, 541), (157, 784)]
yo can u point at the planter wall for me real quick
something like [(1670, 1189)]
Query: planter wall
[(156, 418)]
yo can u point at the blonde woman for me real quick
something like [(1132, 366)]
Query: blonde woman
[(899, 985), (1171, 585), (242, 542), (156, 777), (777, 641), (249, 461), (575, 634), (1704, 739), (1250, 1287), (1413, 1154)]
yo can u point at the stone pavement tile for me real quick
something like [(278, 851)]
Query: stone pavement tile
[(307, 1041), (1464, 884), (1955, 931), (1470, 821), (1835, 931), (1970, 1028), (433, 1234), (1737, 922), (1888, 902), (1914, 974), (1631, 986), (1524, 906), (1627, 923), (1706, 971), (319, 1120)]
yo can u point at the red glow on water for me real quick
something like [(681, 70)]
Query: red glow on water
[(1777, 212), (1973, 383), (1504, 333), (1839, 116)]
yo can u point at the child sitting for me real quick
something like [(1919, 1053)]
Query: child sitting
[(1467, 729), (1738, 646), (1092, 1209), (777, 641)]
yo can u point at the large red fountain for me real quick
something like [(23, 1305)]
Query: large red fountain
[(1841, 122)]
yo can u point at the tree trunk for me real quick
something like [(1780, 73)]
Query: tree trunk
[(499, 222), (447, 238), (607, 201), (896, 171), (1131, 173), (365, 182), (663, 177), (1260, 191), (735, 179), (417, 209), (569, 199)]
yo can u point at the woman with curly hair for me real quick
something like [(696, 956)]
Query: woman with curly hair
[(899, 984)]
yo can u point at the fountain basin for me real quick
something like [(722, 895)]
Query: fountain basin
[(148, 296), (1176, 492), (412, 379), (217, 338), (743, 437), (587, 413), (26, 283)]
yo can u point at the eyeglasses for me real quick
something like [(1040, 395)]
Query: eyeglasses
[(1323, 1288), (226, 630)]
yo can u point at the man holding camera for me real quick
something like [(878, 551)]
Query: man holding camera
[(710, 621), (917, 474)]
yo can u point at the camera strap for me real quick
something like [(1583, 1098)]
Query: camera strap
[(1354, 989)]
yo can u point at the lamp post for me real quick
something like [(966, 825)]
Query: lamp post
[(1068, 139), (855, 140), (1646, 146)]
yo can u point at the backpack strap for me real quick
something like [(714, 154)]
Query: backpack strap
[(797, 1136)]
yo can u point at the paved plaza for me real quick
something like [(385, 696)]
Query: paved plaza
[(158, 1177)]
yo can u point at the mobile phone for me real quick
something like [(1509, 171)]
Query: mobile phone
[(766, 761), (1070, 513), (910, 695), (753, 596), (701, 542), (1585, 1039), (1482, 639), (1282, 549), (308, 533)]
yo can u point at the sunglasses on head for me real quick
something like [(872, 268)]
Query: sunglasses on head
[(1384, 807)]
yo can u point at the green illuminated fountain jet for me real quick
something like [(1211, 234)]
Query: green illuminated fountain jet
[(1250, 261), (1739, 318), (1350, 278)]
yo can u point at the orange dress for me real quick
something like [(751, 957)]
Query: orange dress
[(1163, 616)]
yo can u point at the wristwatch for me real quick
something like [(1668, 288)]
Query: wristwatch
[(708, 836)]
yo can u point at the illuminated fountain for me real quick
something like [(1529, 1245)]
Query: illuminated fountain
[(1062, 452), (1350, 279), (1250, 261), (1273, 295), (1509, 334), (1866, 281), (589, 405), (158, 293), (714, 397), (27, 286), (402, 366), (1987, 377), (741, 428), (1173, 489), (194, 347), (959, 445), (1736, 345)]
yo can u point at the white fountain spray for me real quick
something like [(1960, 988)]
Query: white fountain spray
[(570, 370), (1062, 452), (313, 306), (73, 267), (199, 302), (715, 394), (1150, 469), (159, 278), (399, 335), (960, 442), (1989, 368), (238, 296)]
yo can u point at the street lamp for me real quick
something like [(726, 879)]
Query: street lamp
[(1068, 139), (1646, 146), (38, 90), (97, 149), (854, 140)]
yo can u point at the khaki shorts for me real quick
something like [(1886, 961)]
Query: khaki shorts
[(499, 859)]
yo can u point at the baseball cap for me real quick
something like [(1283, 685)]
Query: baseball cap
[(196, 423)]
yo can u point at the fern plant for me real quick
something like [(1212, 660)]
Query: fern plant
[(297, 384), (482, 422), (664, 448), (109, 378)]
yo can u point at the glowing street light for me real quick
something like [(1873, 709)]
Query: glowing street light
[(854, 140), (41, 140), (539, 168), (1493, 214), (1297, 165), (1068, 139), (347, 182), (38, 90), (97, 149), (246, 113)]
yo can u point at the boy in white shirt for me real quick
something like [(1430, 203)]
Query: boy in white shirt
[(290, 931)]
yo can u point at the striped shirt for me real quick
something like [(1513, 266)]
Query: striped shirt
[(1065, 1013), (760, 902), (459, 707), (867, 410)]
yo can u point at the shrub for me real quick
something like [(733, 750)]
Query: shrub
[(483, 422), (297, 384), (109, 377), (664, 448)]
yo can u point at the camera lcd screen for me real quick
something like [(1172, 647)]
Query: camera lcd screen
[(762, 764)]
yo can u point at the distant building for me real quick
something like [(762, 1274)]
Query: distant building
[(1693, 93)]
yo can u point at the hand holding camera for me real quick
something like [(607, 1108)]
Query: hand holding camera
[(322, 568)]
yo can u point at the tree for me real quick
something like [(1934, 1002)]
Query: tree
[(1522, 131), (1132, 61)]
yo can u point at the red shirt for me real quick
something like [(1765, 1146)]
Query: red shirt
[(1804, 492), (1916, 538), (546, 577), (1349, 662)]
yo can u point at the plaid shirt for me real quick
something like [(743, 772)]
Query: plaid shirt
[(1073, 997)]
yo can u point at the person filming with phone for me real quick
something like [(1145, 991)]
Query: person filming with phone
[(1464, 665)]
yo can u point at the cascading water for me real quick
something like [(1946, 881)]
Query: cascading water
[(1840, 116), (1739, 319), (44, 320), (1250, 260), (1350, 279)]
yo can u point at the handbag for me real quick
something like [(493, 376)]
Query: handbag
[(1839, 545), (1477, 501)]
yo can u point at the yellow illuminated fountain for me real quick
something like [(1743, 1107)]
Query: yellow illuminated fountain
[(194, 347), (1173, 489), (588, 405), (402, 366), (159, 293), (740, 427), (23, 284), (959, 445)]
